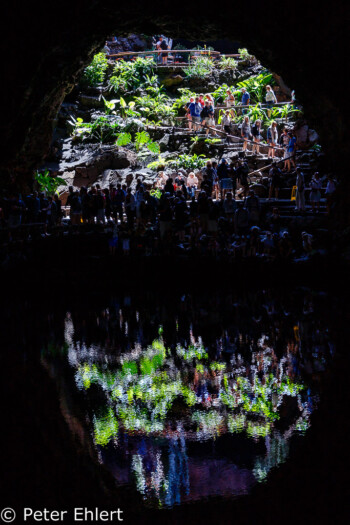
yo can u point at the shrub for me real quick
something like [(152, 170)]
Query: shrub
[(193, 162), (130, 75), (227, 63), (256, 86), (201, 68), (94, 74), (103, 129), (156, 108), (48, 183)]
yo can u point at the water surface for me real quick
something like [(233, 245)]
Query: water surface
[(192, 397)]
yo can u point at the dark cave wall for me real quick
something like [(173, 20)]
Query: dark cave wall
[(46, 47)]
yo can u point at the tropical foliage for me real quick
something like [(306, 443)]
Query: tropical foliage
[(103, 129), (47, 183), (192, 162), (94, 74), (142, 139), (227, 63), (129, 75), (255, 86), (200, 67)]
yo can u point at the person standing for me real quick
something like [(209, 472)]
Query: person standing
[(275, 182), (246, 132), (207, 117), (230, 102), (291, 149), (256, 132), (245, 100), (130, 206), (195, 109), (315, 194), (271, 99), (272, 139), (252, 204), (188, 113), (162, 46), (300, 194), (330, 189)]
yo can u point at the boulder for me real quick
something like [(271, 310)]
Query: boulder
[(85, 176), (164, 143), (123, 158), (174, 80), (200, 147), (91, 101)]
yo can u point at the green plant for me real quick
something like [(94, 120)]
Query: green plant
[(151, 81), (142, 138), (127, 110), (255, 86), (47, 183), (220, 94), (287, 111), (185, 95), (158, 164), (227, 63), (185, 161), (244, 54), (103, 129), (109, 105), (156, 108), (105, 428), (130, 75), (212, 141), (94, 74), (197, 139), (201, 68), (124, 139), (256, 113)]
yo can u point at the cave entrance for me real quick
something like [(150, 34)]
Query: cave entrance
[(128, 121)]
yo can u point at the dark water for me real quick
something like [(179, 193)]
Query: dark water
[(192, 396)]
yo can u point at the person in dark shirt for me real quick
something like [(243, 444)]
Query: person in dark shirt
[(162, 46), (275, 181), (169, 186)]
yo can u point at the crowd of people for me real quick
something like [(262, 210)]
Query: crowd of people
[(200, 114), (198, 213), (214, 210)]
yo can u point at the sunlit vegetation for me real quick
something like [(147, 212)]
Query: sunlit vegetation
[(95, 73), (135, 100), (142, 390)]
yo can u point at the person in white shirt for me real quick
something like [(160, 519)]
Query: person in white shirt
[(192, 184), (270, 98)]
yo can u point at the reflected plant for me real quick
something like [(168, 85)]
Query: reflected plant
[(105, 428), (145, 386)]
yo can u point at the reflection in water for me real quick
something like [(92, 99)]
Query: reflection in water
[(185, 415)]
